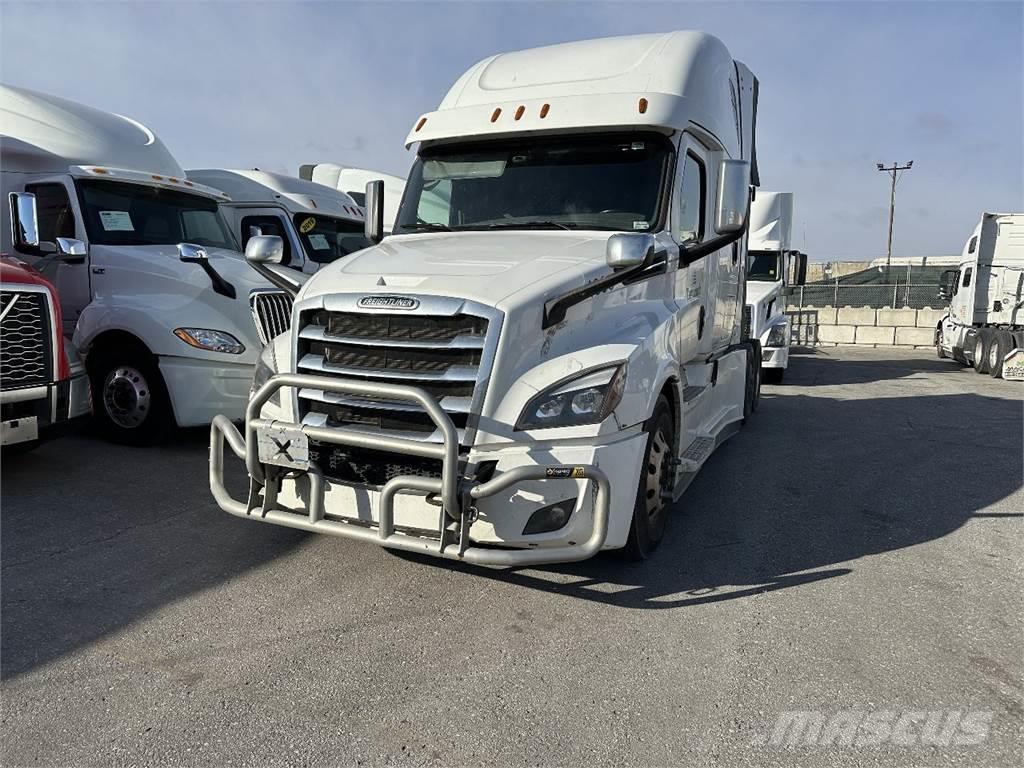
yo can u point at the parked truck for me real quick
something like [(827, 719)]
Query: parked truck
[(353, 181), (317, 225), (43, 386), (772, 267), (150, 279), (984, 328), (536, 363)]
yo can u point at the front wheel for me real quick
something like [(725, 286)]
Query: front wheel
[(650, 511), (129, 397)]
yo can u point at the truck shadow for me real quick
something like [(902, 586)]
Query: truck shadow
[(809, 486), (95, 536), (818, 366)]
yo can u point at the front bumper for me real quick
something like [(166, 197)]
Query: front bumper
[(45, 411), (775, 357), (291, 491)]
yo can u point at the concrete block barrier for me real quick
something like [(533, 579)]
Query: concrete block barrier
[(915, 337), (855, 316), (929, 318), (867, 334), (897, 317), (837, 334)]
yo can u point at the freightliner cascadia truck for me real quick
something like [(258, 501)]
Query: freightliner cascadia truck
[(985, 324), (772, 267), (538, 360)]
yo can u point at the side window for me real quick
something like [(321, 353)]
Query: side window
[(967, 276), (691, 200), (973, 244), (268, 225), (53, 210)]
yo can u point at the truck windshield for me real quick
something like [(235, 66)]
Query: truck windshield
[(763, 265), (325, 238), (119, 213), (580, 182)]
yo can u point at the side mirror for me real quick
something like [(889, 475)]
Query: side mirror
[(192, 254), (71, 251), (732, 201), (947, 284), (626, 250), (264, 249), (373, 227), (24, 222), (799, 267)]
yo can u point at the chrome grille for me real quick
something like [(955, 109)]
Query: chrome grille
[(25, 346), (444, 355), (272, 313)]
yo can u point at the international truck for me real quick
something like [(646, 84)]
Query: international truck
[(151, 281), (43, 387), (536, 363), (352, 181), (984, 328), (317, 224), (772, 268)]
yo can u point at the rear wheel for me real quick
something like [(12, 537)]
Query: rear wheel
[(982, 343), (129, 397), (1000, 347), (939, 351), (651, 508)]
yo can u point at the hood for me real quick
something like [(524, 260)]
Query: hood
[(14, 270), (758, 291), (487, 267)]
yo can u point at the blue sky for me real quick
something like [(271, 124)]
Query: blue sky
[(843, 85)]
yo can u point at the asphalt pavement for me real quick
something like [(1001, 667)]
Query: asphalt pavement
[(852, 556)]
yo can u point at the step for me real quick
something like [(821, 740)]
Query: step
[(696, 453), (693, 392)]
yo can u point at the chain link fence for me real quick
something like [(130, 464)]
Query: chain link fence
[(878, 296)]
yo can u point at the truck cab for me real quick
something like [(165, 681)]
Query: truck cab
[(317, 225), (352, 181), (772, 267), (150, 278), (984, 324), (550, 345)]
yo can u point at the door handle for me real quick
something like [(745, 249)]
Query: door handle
[(99, 270)]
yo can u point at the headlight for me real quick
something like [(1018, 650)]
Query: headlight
[(586, 399), (214, 341), (777, 336), (266, 366)]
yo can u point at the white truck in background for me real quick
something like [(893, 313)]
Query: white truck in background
[(984, 328), (317, 225), (150, 279), (772, 267), (353, 181), (537, 362)]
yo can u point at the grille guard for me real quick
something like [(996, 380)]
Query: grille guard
[(457, 493)]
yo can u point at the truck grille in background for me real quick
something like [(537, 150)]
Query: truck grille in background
[(272, 313), (748, 311), (25, 346), (442, 355)]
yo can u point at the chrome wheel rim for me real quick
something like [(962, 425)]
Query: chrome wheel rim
[(126, 397), (993, 355)]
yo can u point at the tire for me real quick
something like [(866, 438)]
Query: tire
[(129, 397), (752, 390), (939, 351), (1000, 347), (773, 375), (650, 511), (982, 342)]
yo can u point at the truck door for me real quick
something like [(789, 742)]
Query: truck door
[(56, 218), (688, 217)]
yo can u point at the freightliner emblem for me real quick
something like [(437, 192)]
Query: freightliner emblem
[(388, 302)]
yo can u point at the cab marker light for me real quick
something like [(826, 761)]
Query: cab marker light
[(100, 170), (421, 123), (544, 111), (519, 112), (495, 114), (643, 106)]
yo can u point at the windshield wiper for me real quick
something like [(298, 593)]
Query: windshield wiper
[(528, 225), (425, 226)]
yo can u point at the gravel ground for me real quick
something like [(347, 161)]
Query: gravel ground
[(854, 552)]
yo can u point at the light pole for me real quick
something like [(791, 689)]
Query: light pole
[(894, 172)]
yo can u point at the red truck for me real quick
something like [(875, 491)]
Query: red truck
[(44, 387)]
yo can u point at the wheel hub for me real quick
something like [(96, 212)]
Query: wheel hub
[(126, 397), (658, 473), (993, 355)]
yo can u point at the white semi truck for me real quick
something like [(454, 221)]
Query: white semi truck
[(536, 374), (772, 267), (150, 279), (352, 181), (317, 225), (984, 327)]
